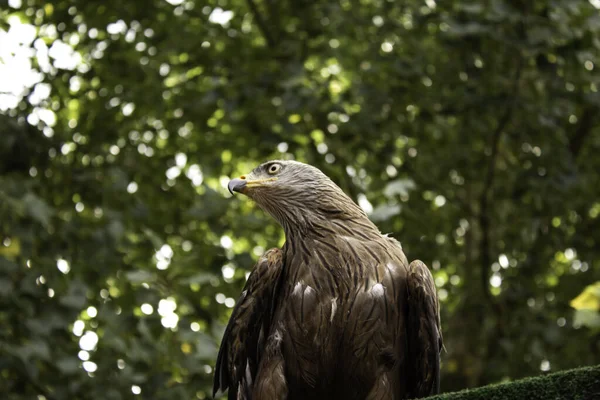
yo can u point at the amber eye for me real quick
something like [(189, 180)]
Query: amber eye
[(273, 169)]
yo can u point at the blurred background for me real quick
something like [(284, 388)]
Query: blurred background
[(469, 130)]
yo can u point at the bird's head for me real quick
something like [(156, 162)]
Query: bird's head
[(294, 193), (278, 178)]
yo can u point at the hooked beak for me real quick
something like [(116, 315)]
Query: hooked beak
[(236, 185), (242, 183)]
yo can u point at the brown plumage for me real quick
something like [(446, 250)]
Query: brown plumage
[(337, 313)]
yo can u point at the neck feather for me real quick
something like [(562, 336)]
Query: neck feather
[(323, 209), (318, 222)]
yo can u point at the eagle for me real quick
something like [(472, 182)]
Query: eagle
[(337, 312)]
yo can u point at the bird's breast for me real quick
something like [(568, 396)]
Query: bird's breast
[(341, 311)]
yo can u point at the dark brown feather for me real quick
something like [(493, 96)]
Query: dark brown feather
[(244, 338), (424, 332)]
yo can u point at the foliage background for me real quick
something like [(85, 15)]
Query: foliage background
[(468, 129)]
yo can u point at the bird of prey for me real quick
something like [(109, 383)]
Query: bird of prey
[(338, 312)]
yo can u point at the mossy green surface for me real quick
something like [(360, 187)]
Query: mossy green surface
[(575, 384)]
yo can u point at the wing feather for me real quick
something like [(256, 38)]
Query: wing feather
[(243, 341), (424, 332)]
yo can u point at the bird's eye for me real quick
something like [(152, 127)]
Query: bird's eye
[(273, 169)]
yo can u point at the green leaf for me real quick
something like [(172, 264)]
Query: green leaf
[(36, 349), (206, 348), (68, 365), (140, 276), (199, 278), (6, 287), (385, 212), (589, 318), (116, 229), (589, 299), (38, 209), (76, 296), (399, 187)]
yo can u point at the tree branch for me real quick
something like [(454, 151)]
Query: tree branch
[(261, 23), (586, 123), (485, 199)]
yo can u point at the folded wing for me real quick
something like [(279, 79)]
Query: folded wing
[(244, 338), (424, 332)]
